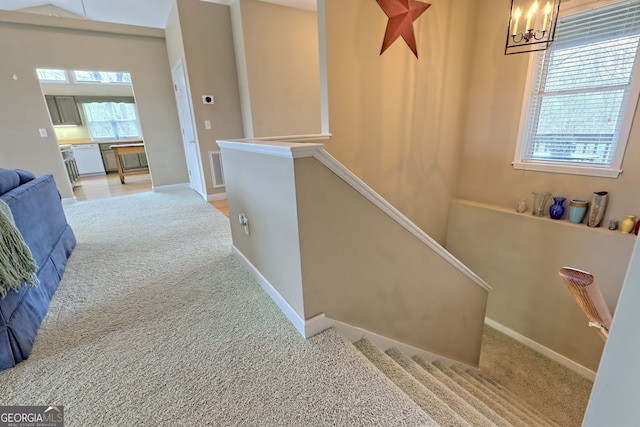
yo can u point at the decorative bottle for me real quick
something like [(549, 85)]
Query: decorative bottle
[(628, 224), (597, 207), (522, 206), (556, 210)]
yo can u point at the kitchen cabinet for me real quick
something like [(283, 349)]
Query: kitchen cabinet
[(63, 110)]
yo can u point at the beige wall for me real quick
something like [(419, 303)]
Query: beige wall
[(26, 47), (281, 75), (263, 188), (397, 121), (200, 34), (361, 267), (491, 130), (520, 255)]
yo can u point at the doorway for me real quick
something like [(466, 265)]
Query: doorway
[(90, 111)]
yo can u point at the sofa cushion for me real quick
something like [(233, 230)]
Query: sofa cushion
[(25, 176), (9, 179)]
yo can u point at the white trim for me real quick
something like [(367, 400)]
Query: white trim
[(557, 357), (69, 200), (293, 316), (237, 31), (216, 197), (354, 333), (336, 167), (288, 150), (566, 169), (297, 138)]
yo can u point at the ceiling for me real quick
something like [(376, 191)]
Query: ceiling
[(146, 13)]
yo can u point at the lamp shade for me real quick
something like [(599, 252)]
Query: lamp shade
[(532, 25)]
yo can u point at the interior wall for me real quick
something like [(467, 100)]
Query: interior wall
[(263, 188), (29, 41), (282, 72), (207, 51), (397, 121), (491, 131), (520, 255), (361, 267)]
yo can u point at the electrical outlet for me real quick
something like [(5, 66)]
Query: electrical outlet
[(244, 222)]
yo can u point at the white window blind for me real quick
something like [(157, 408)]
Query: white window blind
[(112, 120), (582, 98)]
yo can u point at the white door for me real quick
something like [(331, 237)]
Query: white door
[(191, 150)]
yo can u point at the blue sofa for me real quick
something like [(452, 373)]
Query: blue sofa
[(36, 207)]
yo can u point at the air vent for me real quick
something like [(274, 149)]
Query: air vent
[(216, 169)]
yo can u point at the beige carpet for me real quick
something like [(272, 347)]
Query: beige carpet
[(559, 393), (156, 324)]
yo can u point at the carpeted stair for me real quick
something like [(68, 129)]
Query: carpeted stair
[(453, 396)]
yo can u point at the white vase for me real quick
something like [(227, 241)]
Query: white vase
[(597, 207)]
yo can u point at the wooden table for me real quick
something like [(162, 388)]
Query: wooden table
[(121, 150)]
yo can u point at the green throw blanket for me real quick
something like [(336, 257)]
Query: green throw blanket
[(17, 265)]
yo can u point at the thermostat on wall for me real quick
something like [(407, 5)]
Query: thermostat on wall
[(207, 99)]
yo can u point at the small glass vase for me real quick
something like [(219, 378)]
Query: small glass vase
[(556, 210), (540, 202)]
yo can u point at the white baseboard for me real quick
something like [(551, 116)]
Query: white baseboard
[(315, 325), (69, 200), (354, 333), (172, 187), (293, 316), (556, 357), (216, 197)]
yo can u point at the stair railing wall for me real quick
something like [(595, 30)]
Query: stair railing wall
[(324, 244)]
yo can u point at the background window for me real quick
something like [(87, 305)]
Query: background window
[(582, 94), (52, 75), (101, 77), (112, 120)]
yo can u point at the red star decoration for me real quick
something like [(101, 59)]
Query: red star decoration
[(401, 15)]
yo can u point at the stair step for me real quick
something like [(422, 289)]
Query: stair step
[(439, 411), (478, 404), (507, 412), (448, 396), (511, 399)]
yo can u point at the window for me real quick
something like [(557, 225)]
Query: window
[(52, 76), (101, 77), (112, 120), (583, 94)]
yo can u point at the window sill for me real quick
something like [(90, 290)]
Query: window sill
[(566, 169)]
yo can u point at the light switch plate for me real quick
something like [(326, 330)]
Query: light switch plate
[(43, 133)]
